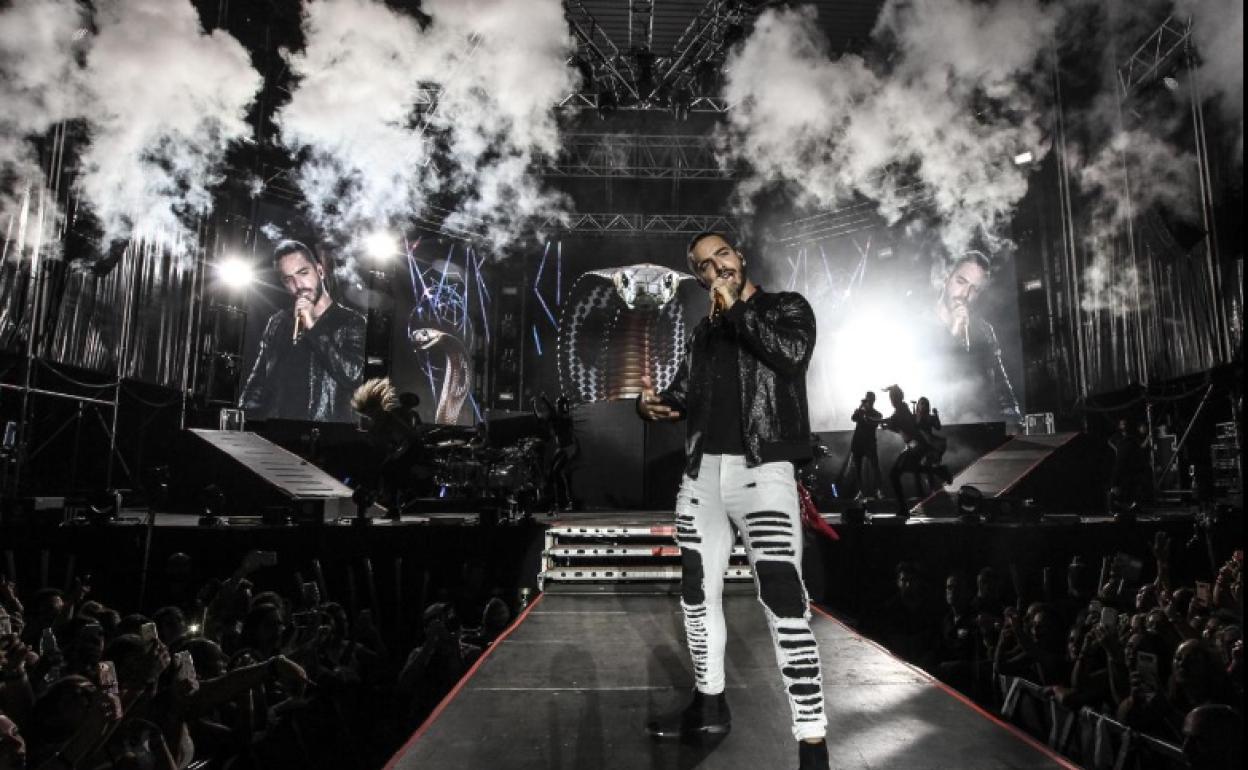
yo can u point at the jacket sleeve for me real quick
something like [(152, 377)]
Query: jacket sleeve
[(341, 353), (785, 344), (676, 395), (253, 395)]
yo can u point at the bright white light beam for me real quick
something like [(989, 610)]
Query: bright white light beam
[(235, 272), (381, 245)]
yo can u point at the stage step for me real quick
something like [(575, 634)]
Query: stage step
[(633, 551), (619, 572), (628, 549)]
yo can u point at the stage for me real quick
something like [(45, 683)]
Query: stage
[(574, 680)]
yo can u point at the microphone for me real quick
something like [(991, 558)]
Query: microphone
[(294, 336), (717, 303)]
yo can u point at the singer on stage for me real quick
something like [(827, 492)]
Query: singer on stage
[(311, 355), (742, 388), (961, 337)]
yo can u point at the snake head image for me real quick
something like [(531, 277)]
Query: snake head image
[(646, 286), (425, 338)]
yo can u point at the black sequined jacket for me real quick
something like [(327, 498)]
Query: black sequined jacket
[(776, 336), (336, 369)]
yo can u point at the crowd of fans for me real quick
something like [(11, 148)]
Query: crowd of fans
[(1161, 658), (225, 675)]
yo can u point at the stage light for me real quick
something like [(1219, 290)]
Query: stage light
[(970, 504), (235, 272), (876, 345), (1170, 82), (381, 245), (1023, 158)]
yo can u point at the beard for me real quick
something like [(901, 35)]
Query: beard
[(313, 295)]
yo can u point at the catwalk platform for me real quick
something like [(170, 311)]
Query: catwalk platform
[(573, 682)]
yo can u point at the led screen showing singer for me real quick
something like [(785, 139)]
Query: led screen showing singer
[(311, 355)]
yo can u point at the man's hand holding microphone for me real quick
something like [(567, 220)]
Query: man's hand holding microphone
[(303, 315), (651, 407), (724, 292)]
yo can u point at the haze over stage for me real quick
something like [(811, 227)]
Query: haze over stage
[(574, 683)]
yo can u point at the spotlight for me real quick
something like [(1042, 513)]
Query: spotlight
[(970, 503), (380, 245), (1023, 158), (1170, 82), (235, 272)]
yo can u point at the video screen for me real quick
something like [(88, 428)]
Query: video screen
[(304, 352), (893, 311)]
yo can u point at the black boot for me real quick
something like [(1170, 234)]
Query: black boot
[(706, 715), (812, 756)]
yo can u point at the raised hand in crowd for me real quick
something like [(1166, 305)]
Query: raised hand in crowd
[(8, 596)]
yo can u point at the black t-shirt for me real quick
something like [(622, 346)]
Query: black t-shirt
[(724, 434), (292, 380)]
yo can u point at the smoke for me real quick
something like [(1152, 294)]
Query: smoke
[(1111, 286), (497, 106), (39, 87), (370, 159), (1132, 172), (351, 115), (165, 101), (1218, 34), (953, 105)]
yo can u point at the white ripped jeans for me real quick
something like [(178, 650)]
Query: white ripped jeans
[(762, 504)]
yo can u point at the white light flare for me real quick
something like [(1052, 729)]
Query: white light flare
[(381, 246), (235, 272)]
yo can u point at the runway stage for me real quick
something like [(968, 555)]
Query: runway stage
[(572, 684)]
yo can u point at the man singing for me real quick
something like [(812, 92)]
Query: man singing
[(966, 341), (742, 387), (311, 356)]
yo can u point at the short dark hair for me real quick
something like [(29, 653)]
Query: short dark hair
[(695, 240), (288, 247), (978, 257)]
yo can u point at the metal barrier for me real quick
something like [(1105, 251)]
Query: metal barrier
[(1094, 740)]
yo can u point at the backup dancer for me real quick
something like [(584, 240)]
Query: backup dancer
[(742, 388)]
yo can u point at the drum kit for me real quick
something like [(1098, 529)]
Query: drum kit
[(466, 467)]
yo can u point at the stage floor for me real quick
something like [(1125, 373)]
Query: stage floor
[(575, 680)]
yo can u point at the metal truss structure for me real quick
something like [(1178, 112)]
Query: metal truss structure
[(642, 78), (582, 100), (1154, 56), (633, 224), (638, 156), (846, 220)]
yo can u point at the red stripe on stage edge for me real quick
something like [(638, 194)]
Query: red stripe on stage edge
[(429, 720), (1013, 730)]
